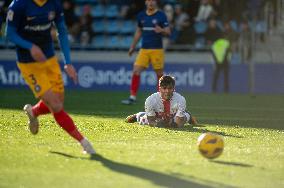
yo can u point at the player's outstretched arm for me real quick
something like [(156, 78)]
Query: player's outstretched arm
[(136, 38), (65, 47)]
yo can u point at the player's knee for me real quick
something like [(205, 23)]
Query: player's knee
[(136, 72), (54, 103), (56, 106)]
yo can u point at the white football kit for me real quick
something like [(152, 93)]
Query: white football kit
[(156, 106)]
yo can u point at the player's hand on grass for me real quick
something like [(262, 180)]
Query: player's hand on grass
[(71, 71), (37, 54), (131, 50)]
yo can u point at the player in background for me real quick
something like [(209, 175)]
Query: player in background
[(28, 26), (165, 108), (152, 26)]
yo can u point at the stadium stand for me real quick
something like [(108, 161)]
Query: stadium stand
[(113, 22)]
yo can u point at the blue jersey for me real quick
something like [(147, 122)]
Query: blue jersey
[(33, 23), (147, 23)]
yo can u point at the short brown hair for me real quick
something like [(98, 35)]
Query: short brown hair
[(166, 81)]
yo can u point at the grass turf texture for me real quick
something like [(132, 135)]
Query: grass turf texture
[(141, 156)]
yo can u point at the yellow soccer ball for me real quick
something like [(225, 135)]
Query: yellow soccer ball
[(210, 145)]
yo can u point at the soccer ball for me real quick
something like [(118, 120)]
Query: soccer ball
[(210, 145)]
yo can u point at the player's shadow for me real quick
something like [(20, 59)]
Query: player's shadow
[(157, 178), (232, 163), (201, 129)]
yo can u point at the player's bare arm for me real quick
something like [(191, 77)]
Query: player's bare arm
[(155, 122), (71, 71), (137, 37), (164, 31)]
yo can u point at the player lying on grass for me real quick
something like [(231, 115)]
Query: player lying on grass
[(165, 108)]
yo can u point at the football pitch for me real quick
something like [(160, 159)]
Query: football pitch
[(136, 156)]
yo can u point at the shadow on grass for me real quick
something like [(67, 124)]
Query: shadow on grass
[(231, 163), (157, 178), (201, 129)]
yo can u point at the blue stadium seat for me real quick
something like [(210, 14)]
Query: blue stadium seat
[(112, 27), (98, 11), (200, 42), (126, 42), (99, 42), (113, 42), (98, 26), (2, 41), (78, 10), (234, 25), (200, 27), (220, 25), (86, 1), (261, 27), (112, 11), (128, 27)]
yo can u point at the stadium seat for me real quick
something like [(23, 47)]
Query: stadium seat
[(112, 27), (220, 25), (234, 25), (99, 42), (98, 26), (126, 42), (200, 27), (128, 27), (86, 1), (78, 10), (113, 42), (261, 27), (112, 11), (200, 42), (98, 11)]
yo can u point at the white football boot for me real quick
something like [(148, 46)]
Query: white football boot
[(87, 146), (33, 121)]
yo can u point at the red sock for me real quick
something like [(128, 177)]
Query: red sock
[(158, 78), (65, 121), (40, 109), (135, 82)]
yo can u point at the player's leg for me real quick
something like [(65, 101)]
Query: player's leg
[(226, 77), (54, 103), (135, 82), (157, 58), (54, 99), (141, 63), (142, 118), (33, 74), (216, 73), (135, 117), (41, 108)]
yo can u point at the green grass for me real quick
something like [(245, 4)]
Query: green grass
[(141, 156)]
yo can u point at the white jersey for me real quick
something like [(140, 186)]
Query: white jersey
[(155, 106)]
